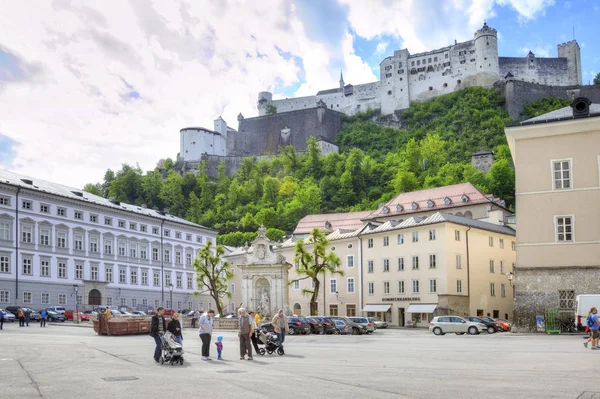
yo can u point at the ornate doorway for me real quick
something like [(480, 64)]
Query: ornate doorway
[(95, 297)]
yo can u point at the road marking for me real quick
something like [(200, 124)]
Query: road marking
[(5, 359)]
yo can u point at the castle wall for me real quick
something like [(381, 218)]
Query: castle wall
[(363, 97), (193, 142), (572, 53), (547, 71), (290, 104), (518, 94)]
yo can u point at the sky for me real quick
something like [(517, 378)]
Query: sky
[(89, 85)]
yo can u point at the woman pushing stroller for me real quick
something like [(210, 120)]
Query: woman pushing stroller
[(174, 327)]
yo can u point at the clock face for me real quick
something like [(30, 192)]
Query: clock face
[(260, 251)]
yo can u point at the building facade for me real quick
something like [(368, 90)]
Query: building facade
[(60, 246), (557, 160), (406, 77)]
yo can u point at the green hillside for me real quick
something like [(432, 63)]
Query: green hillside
[(375, 163)]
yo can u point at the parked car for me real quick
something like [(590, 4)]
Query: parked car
[(440, 325), (268, 327), (55, 316), (139, 313), (364, 321), (13, 309), (316, 325), (57, 309), (298, 325), (505, 324), (34, 315), (327, 323), (488, 319), (492, 327), (8, 316), (380, 324), (342, 327), (357, 329)]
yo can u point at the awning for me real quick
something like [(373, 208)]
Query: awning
[(376, 308), (421, 308)]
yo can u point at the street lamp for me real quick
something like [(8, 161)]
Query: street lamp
[(171, 291), (76, 288), (510, 276)]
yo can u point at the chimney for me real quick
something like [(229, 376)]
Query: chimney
[(166, 211), (581, 107)]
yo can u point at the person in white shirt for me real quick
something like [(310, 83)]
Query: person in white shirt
[(205, 331)]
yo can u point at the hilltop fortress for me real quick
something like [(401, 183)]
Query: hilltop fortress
[(406, 77)]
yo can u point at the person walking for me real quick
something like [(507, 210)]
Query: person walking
[(254, 332), (280, 324), (205, 324), (27, 316), (1, 319), (43, 316), (219, 345), (21, 316), (157, 330), (195, 318), (245, 332), (174, 327), (592, 322), (257, 318)]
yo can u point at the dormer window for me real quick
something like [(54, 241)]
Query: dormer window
[(430, 204), (327, 225), (386, 210), (447, 201), (399, 208), (415, 205), (465, 198)]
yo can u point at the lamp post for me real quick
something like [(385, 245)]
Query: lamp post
[(171, 291), (76, 316), (510, 276)]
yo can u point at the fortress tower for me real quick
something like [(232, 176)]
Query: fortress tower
[(264, 98), (486, 55), (571, 51)]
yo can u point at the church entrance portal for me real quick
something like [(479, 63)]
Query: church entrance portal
[(95, 297)]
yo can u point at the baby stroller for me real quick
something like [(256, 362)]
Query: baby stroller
[(270, 342), (172, 352)]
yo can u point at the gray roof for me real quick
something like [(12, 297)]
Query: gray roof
[(43, 186), (329, 91), (560, 114)]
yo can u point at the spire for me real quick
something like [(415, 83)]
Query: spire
[(341, 80)]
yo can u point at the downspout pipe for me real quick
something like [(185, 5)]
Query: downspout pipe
[(162, 265), (17, 247), (468, 267)]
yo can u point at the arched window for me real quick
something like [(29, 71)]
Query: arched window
[(468, 214), (297, 309)]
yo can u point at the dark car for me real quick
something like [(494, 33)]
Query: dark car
[(327, 323), (357, 329), (492, 327), (499, 326), (268, 327), (55, 316), (316, 325), (298, 325)]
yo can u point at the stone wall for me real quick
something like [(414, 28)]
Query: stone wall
[(457, 305), (518, 94), (547, 71), (536, 289)]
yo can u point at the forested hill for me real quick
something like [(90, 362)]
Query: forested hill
[(375, 163)]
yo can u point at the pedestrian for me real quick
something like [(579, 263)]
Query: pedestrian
[(1, 319), (205, 324), (157, 330), (245, 332), (195, 318), (280, 324), (253, 337), (27, 316), (21, 316), (43, 316), (219, 344), (257, 318), (592, 323), (174, 327)]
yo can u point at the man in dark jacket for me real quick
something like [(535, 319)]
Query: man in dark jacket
[(157, 329)]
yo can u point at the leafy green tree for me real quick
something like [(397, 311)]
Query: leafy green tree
[(314, 262), (95, 189), (270, 109), (275, 234), (127, 185), (213, 273), (152, 184), (171, 194), (597, 79), (544, 106), (501, 180)]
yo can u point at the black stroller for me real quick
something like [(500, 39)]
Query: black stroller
[(270, 342), (172, 352)]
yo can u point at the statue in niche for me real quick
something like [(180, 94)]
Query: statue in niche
[(286, 135), (265, 303)]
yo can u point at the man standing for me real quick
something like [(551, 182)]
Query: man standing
[(205, 324), (595, 327), (246, 330), (21, 316), (280, 324), (195, 318), (43, 316), (1, 319), (157, 329), (27, 315), (255, 328)]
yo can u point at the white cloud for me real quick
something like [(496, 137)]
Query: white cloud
[(190, 61), (540, 50), (528, 9)]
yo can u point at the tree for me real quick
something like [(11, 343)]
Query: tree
[(213, 273), (95, 189), (270, 109), (597, 79), (314, 262)]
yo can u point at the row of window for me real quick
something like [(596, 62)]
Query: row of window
[(432, 264), (426, 61), (433, 286), (432, 237), (95, 218)]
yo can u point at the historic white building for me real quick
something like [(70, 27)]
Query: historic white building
[(59, 244), (406, 77)]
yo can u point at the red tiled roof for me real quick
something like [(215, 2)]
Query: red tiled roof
[(331, 222), (403, 203)]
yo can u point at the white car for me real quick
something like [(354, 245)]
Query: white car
[(441, 325), (8, 316)]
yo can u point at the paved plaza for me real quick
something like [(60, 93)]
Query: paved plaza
[(64, 361)]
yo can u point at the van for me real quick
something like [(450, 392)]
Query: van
[(57, 309), (584, 304)]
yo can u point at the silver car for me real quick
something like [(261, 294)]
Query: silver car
[(8, 316), (363, 321), (441, 325)]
